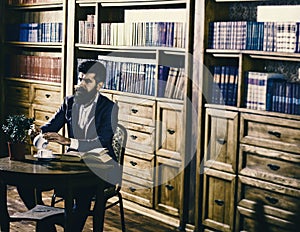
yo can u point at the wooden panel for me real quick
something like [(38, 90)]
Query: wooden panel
[(139, 167), (136, 110), (219, 200), (17, 92), (221, 136), (169, 179), (270, 132), (44, 94), (271, 165), (169, 130), (276, 198)]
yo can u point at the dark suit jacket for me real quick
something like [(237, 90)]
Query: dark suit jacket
[(100, 130)]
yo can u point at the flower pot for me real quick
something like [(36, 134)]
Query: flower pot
[(16, 151)]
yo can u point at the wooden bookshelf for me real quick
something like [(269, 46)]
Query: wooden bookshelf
[(238, 146)]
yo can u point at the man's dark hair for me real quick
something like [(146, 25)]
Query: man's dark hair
[(91, 66)]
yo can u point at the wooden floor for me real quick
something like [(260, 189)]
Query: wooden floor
[(134, 222)]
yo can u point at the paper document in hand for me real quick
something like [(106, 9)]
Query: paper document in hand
[(100, 154)]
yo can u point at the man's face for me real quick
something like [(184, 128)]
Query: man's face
[(87, 89)]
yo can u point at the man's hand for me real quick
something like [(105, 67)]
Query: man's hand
[(57, 138)]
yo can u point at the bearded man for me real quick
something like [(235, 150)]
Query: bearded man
[(91, 120)]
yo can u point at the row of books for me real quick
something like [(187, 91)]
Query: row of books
[(42, 68), (20, 2), (35, 32), (272, 92), (87, 32), (250, 35), (167, 34), (125, 76), (224, 85), (171, 82)]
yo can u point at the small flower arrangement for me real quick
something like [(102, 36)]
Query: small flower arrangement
[(17, 128)]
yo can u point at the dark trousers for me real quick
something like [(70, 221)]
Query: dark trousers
[(81, 207)]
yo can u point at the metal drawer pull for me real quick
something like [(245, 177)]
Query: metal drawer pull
[(170, 131), (271, 200), (275, 133), (221, 141), (169, 187), (273, 167), (133, 137), (219, 202), (134, 111), (47, 117), (133, 163), (132, 189), (48, 95)]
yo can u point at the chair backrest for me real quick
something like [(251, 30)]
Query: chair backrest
[(119, 143)]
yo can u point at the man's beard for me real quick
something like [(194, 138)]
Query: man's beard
[(82, 96)]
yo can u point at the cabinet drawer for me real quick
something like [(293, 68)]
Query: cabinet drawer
[(276, 199), (42, 114), (266, 164), (218, 200), (19, 108), (135, 110), (134, 191), (270, 132), (254, 221), (17, 92), (139, 167), (221, 136), (43, 94), (140, 140)]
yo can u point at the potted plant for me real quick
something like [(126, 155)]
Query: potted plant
[(17, 129)]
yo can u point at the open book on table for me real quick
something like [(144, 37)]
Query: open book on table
[(97, 154)]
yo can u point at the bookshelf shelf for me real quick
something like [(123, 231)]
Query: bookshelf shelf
[(255, 54), (37, 6), (134, 2), (32, 81), (36, 45), (140, 49)]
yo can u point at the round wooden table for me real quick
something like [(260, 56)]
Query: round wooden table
[(64, 175)]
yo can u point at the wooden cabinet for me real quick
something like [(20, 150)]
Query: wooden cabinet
[(139, 42), (249, 149)]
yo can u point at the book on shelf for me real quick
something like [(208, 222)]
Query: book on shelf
[(224, 85), (97, 154), (171, 82), (260, 90)]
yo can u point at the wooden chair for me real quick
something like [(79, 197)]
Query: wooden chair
[(119, 144)]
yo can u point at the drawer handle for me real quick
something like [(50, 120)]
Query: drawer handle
[(170, 131), (169, 187), (273, 167), (133, 163), (221, 141), (219, 202), (272, 200), (47, 95), (47, 117), (134, 137), (132, 189), (275, 133), (134, 111)]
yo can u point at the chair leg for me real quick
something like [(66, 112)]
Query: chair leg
[(53, 199), (122, 212)]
